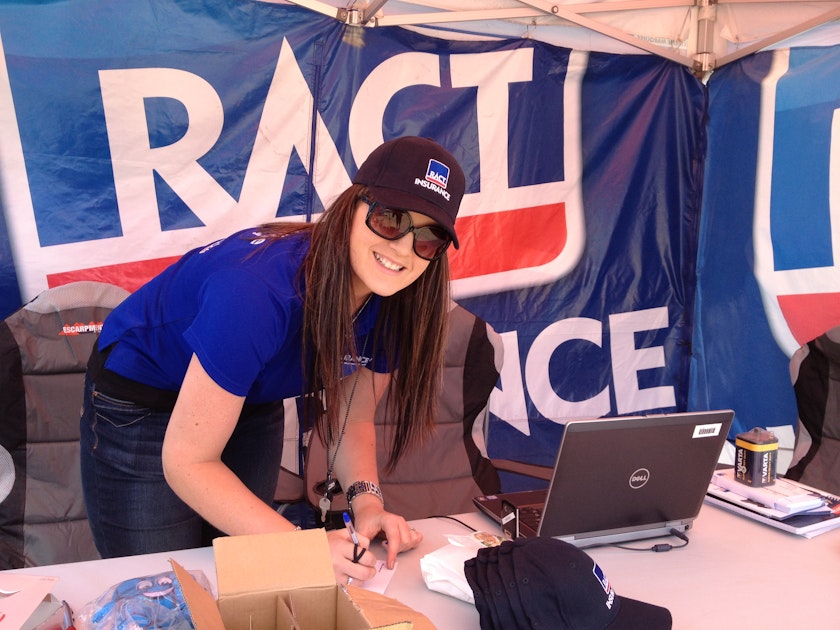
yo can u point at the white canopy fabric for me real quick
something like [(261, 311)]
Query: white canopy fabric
[(701, 34)]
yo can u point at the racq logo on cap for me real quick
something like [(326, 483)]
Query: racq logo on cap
[(437, 173), (605, 584), (601, 577), (437, 177)]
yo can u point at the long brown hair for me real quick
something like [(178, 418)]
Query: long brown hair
[(412, 325)]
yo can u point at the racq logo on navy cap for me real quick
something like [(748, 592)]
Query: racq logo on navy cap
[(437, 176), (605, 584), (437, 173)]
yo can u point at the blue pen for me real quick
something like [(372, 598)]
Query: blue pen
[(358, 551), (349, 525)]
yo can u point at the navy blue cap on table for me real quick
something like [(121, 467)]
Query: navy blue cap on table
[(508, 578), (505, 610), (553, 585), (417, 174), (477, 579)]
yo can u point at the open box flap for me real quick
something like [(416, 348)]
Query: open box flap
[(203, 609), (272, 562), (387, 613)]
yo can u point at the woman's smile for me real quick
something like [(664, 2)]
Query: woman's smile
[(387, 263)]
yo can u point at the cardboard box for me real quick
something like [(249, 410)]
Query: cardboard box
[(284, 580)]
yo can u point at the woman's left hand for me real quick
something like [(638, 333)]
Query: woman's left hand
[(370, 519)]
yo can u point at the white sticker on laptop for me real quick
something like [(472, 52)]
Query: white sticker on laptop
[(707, 430)]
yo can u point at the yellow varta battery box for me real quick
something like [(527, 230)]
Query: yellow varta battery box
[(755, 457)]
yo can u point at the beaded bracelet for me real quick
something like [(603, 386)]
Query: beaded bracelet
[(363, 487)]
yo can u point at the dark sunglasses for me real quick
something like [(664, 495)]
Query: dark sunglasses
[(430, 241)]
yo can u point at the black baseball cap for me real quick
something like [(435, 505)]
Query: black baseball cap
[(508, 578), (553, 584), (417, 174), (486, 617), (562, 587)]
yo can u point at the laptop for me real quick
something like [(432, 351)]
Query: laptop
[(619, 479)]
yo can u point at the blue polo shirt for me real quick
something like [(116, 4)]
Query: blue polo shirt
[(238, 305)]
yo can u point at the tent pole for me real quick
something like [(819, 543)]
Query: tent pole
[(704, 58)]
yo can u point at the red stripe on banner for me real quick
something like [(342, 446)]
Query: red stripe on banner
[(809, 315), (508, 240), (490, 243), (129, 276)]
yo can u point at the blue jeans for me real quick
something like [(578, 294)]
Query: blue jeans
[(131, 508)]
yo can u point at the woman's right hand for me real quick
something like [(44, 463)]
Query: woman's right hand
[(342, 549)]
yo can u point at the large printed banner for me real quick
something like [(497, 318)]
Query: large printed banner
[(131, 132), (769, 278)]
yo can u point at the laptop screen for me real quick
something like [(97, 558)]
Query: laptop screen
[(633, 472), (625, 478)]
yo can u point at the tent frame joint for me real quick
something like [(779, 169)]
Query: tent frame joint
[(705, 58)]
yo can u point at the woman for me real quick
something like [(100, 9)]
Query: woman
[(182, 421)]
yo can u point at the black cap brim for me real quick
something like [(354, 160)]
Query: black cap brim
[(636, 615)]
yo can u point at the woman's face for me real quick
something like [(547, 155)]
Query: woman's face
[(381, 266)]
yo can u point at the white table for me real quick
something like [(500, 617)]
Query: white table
[(734, 573)]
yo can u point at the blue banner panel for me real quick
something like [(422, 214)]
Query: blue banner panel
[(768, 280), (613, 336)]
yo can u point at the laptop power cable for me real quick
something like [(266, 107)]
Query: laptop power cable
[(660, 547)]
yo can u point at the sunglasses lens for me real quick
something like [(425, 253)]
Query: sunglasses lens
[(389, 223), (430, 242)]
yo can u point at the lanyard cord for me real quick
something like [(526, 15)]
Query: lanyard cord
[(331, 486), (331, 463)]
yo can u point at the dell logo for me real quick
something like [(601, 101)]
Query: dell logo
[(639, 478)]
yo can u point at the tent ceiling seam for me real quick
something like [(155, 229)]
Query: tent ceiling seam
[(783, 35), (702, 12)]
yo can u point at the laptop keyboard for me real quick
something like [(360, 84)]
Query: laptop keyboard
[(530, 515)]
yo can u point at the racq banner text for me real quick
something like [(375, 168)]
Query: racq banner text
[(133, 133)]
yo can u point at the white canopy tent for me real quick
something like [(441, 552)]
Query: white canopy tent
[(701, 34)]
